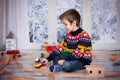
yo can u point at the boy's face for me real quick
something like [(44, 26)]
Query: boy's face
[(68, 26)]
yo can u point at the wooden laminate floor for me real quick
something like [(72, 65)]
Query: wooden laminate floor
[(15, 71)]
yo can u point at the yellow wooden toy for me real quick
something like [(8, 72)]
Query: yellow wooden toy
[(38, 65)]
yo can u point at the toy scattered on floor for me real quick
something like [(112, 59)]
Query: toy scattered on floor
[(11, 42), (41, 64), (42, 55), (43, 46), (94, 71), (37, 60), (38, 65), (48, 47), (14, 53)]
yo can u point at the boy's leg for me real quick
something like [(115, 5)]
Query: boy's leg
[(70, 66), (56, 67)]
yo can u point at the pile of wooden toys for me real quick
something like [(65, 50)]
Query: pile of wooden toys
[(38, 62)]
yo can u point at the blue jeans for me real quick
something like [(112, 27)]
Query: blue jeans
[(70, 63)]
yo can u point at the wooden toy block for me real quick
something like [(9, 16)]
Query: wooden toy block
[(94, 71), (37, 60), (50, 48), (38, 65)]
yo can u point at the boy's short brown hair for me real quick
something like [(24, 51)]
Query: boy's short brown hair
[(71, 15)]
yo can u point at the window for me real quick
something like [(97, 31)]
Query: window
[(37, 20), (104, 21)]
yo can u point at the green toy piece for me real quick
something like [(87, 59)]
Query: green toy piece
[(42, 55), (37, 60), (66, 52)]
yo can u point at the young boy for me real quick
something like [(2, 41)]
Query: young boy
[(75, 51)]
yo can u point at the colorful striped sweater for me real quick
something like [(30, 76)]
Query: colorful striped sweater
[(78, 44)]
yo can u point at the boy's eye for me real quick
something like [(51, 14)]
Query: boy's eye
[(65, 24)]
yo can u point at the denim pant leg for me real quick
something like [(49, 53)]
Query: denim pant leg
[(70, 66)]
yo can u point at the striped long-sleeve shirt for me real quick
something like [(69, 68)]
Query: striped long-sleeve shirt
[(78, 44)]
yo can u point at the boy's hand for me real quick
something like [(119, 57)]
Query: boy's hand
[(44, 60), (60, 62)]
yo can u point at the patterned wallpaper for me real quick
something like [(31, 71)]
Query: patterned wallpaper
[(104, 21), (62, 6), (37, 20)]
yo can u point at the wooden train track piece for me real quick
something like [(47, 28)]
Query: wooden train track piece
[(19, 77), (6, 62), (111, 75), (114, 57), (25, 59)]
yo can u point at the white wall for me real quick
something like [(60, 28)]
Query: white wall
[(52, 22), (86, 12)]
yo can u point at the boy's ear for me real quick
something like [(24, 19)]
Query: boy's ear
[(74, 23)]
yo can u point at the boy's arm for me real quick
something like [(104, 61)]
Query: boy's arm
[(57, 51), (52, 56)]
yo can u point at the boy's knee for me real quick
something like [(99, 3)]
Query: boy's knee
[(66, 67)]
